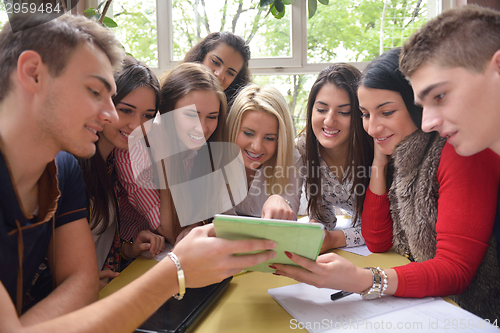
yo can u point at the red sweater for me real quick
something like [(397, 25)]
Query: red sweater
[(468, 189)]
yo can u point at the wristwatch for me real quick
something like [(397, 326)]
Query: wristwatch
[(375, 291)]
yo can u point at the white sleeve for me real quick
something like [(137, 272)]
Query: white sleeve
[(353, 237), (293, 189)]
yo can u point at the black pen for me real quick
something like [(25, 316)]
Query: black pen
[(340, 294)]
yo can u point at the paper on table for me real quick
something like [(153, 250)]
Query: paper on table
[(435, 316), (313, 309), (308, 304), (360, 250), (159, 256)]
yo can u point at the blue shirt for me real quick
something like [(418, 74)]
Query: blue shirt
[(61, 200)]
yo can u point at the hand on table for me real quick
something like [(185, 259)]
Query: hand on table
[(105, 275), (146, 240), (333, 239)]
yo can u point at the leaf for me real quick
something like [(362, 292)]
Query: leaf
[(264, 3), (109, 22), (288, 2), (101, 4), (279, 5), (277, 15), (91, 12), (324, 2), (312, 6)]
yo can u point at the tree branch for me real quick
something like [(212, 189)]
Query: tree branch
[(186, 31), (237, 16), (105, 10), (197, 18), (255, 25), (205, 18), (223, 20), (415, 13)]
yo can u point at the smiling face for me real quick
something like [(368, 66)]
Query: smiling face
[(257, 138), (133, 110), (385, 117), (225, 62), (331, 117), (77, 104), (196, 116), (461, 105)]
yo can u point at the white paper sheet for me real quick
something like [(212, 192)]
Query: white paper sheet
[(360, 250), (313, 310), (161, 255)]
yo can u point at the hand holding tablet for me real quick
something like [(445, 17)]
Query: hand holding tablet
[(302, 238)]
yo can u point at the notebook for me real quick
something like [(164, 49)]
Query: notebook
[(301, 238), (182, 316)]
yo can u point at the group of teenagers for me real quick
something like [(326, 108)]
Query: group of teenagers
[(409, 148)]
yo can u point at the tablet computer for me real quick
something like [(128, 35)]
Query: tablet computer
[(302, 238), (183, 316)]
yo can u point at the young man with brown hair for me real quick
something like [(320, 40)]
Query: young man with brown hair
[(453, 63), (56, 84)]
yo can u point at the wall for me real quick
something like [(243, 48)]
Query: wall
[(495, 4)]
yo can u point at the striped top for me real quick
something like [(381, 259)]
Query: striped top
[(140, 200)]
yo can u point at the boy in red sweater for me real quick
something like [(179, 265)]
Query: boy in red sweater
[(459, 91)]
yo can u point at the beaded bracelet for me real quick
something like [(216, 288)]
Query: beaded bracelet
[(385, 280)]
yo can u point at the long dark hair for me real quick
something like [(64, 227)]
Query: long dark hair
[(210, 42), (99, 184), (360, 144), (383, 73)]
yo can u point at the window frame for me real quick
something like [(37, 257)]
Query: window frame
[(296, 64)]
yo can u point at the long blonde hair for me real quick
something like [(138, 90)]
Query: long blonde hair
[(268, 100)]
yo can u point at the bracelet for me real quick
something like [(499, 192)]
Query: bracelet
[(288, 202), (375, 291), (385, 280), (180, 276), (122, 252)]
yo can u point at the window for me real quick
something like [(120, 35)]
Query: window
[(193, 20), (137, 29), (360, 30), (287, 53), (3, 14), (161, 32)]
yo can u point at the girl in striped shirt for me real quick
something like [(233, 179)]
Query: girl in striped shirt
[(136, 101)]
